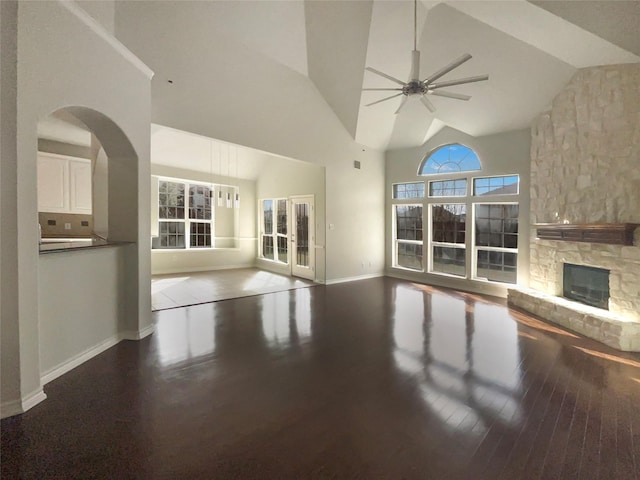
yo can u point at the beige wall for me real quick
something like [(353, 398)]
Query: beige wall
[(10, 389), (283, 178), (500, 154), (585, 168)]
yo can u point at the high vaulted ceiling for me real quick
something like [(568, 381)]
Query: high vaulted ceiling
[(529, 49)]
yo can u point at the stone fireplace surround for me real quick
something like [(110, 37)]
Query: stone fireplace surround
[(585, 169)]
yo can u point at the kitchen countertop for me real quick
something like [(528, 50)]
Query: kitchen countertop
[(54, 245)]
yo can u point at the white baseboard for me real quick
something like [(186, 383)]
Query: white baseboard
[(16, 407), (353, 279), (139, 335), (79, 359), (169, 271)]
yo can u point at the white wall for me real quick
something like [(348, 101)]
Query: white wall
[(500, 154), (283, 178), (101, 10), (82, 304), (54, 72), (176, 261), (286, 115)]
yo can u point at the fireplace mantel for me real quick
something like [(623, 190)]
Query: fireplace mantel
[(609, 233)]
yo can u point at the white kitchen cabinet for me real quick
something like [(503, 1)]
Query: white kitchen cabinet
[(64, 184)]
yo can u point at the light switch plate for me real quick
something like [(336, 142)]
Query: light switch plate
[(67, 226)]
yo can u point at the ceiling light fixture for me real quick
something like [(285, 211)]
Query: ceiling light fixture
[(422, 88)]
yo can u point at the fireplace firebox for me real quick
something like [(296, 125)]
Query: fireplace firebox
[(588, 285)]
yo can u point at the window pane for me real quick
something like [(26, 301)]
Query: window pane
[(409, 255), (408, 222), (408, 190), (451, 159), (497, 225), (448, 188), (200, 235), (170, 196), (497, 266), (282, 249), (449, 260), (267, 208), (199, 202), (448, 223), (267, 247), (496, 185), (171, 235), (282, 217)]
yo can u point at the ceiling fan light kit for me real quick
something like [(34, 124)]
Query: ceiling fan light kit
[(421, 88)]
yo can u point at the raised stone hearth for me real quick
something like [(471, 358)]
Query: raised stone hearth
[(601, 325)]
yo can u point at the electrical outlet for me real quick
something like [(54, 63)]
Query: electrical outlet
[(67, 226)]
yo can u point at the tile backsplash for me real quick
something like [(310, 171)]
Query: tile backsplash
[(54, 225)]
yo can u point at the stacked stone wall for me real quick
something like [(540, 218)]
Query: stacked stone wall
[(585, 168)]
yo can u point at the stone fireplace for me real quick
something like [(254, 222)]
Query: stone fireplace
[(585, 169)]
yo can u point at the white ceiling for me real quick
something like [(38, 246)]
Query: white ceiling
[(529, 49), (184, 150)]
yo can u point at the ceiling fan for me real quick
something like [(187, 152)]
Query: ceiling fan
[(422, 88)]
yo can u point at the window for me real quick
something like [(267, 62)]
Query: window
[(496, 241), (505, 185), (184, 215), (408, 234), (448, 239), (466, 236), (408, 190), (454, 158), (448, 188), (274, 239)]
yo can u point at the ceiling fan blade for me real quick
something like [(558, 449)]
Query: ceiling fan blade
[(384, 99), (381, 89), (448, 68), (457, 96), (402, 102), (428, 104), (460, 81), (384, 75)]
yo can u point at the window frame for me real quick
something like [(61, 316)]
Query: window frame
[(470, 200), (275, 235), (475, 248), (396, 241), (186, 220), (394, 185), (440, 244)]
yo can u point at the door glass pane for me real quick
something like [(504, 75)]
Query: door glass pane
[(302, 234)]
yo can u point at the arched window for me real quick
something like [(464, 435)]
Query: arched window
[(453, 158)]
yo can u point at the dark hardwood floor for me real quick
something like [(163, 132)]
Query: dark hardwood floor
[(376, 379)]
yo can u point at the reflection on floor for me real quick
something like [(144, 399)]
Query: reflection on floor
[(185, 289), (375, 379)]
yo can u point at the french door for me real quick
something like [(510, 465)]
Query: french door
[(302, 237)]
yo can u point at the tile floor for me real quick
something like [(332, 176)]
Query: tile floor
[(185, 289)]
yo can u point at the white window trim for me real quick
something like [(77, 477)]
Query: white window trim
[(412, 242), (215, 187), (461, 246), (274, 234), (475, 248)]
